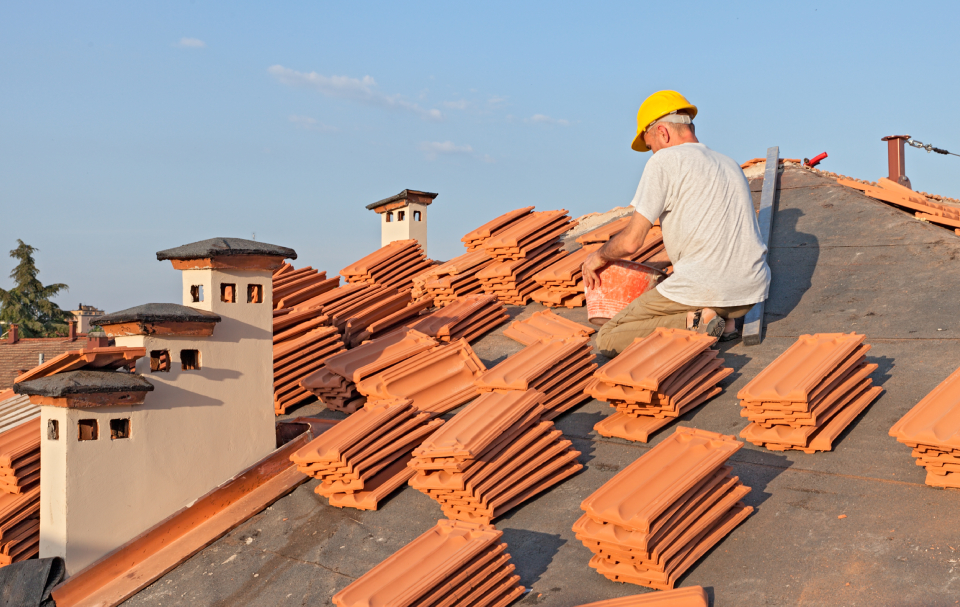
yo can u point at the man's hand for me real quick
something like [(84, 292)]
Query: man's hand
[(591, 265)]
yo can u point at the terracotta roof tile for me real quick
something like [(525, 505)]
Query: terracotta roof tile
[(796, 372), (648, 361), (15, 409), (636, 496), (478, 425), (811, 407), (692, 596), (545, 325), (436, 381), (492, 456), (425, 565), (654, 519), (477, 237)]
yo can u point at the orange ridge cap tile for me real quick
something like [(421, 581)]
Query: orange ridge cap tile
[(691, 596)]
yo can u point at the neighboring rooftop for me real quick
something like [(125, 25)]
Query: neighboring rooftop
[(157, 312), (406, 195), (225, 247), (84, 382)]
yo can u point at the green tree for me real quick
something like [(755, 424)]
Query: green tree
[(28, 304)]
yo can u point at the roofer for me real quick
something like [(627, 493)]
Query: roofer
[(710, 233)]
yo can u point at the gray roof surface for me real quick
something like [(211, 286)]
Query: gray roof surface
[(225, 247), (157, 312), (400, 196), (84, 382), (841, 262)]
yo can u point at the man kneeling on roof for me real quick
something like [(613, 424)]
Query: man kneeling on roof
[(710, 233)]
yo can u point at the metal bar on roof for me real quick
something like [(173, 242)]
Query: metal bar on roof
[(753, 321)]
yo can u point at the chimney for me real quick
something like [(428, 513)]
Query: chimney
[(895, 164), (13, 334), (73, 330)]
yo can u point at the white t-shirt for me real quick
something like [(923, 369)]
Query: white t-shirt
[(710, 229)]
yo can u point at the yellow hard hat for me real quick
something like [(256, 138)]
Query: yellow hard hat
[(655, 107)]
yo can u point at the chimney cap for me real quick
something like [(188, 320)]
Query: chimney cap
[(225, 247), (424, 198)]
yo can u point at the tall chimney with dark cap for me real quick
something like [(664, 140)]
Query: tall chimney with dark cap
[(895, 163)]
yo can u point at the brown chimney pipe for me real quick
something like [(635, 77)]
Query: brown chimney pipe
[(895, 163), (73, 330), (13, 334)]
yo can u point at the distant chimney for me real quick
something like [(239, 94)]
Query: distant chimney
[(895, 164), (73, 330), (13, 334)]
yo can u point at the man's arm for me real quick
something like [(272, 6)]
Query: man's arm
[(622, 245)]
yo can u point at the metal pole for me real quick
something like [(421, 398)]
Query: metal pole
[(753, 321)]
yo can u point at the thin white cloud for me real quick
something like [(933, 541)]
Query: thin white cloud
[(543, 119), (433, 149), (461, 104), (496, 101), (191, 43), (362, 90), (311, 124)]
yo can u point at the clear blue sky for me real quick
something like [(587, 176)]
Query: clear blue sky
[(130, 127)]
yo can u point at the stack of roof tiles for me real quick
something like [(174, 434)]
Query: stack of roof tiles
[(20, 492), (903, 197), (545, 326), (435, 381), (466, 317), (526, 236), (561, 284), (393, 265), (20, 458), (932, 430), (364, 458), (655, 380), (335, 383), (558, 368), (805, 398), (691, 596), (292, 287), (475, 239), (453, 563), (455, 278), (492, 456), (15, 409), (512, 281), (657, 517)]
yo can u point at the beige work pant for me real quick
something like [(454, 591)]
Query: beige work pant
[(646, 313)]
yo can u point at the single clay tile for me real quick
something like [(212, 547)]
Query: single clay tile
[(379, 354), (692, 596), (517, 371), (935, 420), (379, 258), (495, 225), (329, 446), (545, 325), (307, 293), (479, 424), (650, 360), (643, 490), (437, 380), (796, 372), (420, 566)]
